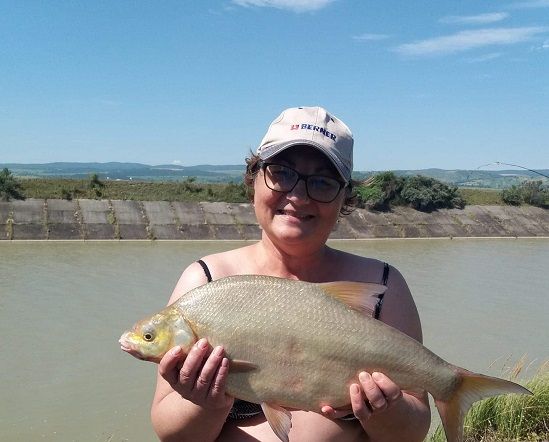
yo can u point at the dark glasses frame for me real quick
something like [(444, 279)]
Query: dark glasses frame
[(263, 165)]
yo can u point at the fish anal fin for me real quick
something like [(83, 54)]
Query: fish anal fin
[(240, 366), (473, 387), (279, 419), (360, 296)]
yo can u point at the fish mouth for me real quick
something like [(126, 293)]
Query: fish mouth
[(126, 346)]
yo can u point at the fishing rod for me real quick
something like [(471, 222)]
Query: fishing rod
[(514, 165)]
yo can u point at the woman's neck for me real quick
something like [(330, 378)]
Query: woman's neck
[(295, 263)]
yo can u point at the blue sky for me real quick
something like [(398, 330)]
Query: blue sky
[(445, 83)]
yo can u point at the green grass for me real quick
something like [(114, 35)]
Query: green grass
[(134, 190), (483, 197), (509, 418)]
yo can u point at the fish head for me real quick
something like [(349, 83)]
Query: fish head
[(151, 338)]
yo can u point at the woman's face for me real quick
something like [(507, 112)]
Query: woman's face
[(293, 218)]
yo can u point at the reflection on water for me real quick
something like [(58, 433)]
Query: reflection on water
[(63, 305)]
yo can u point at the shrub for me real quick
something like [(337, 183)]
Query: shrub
[(9, 186), (428, 194), (379, 191), (512, 196), (529, 192)]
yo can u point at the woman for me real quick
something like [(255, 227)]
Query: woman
[(301, 183)]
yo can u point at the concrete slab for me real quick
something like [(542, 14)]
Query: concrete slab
[(466, 216), (128, 212), (29, 231), (29, 211), (436, 231), (527, 220), (362, 221), (131, 231), (217, 213), (250, 231), (196, 231), (4, 233), (440, 217), (165, 231), (189, 214), (243, 213), (387, 231), (159, 213), (94, 211), (65, 231), (5, 208), (226, 231), (62, 212), (99, 231), (343, 230), (411, 231)]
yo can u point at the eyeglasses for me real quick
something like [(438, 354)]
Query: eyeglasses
[(323, 189)]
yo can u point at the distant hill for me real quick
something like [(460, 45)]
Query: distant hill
[(227, 173), (128, 171)]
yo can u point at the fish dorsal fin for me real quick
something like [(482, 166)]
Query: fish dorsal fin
[(360, 296), (279, 419), (240, 366)]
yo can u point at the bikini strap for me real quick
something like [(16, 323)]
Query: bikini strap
[(384, 280), (206, 269)]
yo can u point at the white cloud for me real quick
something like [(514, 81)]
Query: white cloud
[(466, 40), (475, 19), (292, 5), (530, 4), (371, 37)]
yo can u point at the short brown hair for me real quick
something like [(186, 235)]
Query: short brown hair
[(252, 168)]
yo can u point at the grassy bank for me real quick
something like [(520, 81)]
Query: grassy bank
[(187, 190), (481, 197), (510, 418)]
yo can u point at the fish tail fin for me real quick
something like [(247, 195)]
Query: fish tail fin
[(472, 387)]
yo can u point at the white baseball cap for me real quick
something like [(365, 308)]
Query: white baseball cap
[(311, 126)]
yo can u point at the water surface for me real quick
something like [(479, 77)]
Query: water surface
[(63, 305)]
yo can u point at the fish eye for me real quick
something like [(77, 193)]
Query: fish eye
[(148, 336)]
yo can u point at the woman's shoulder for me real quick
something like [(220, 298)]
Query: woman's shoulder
[(214, 266), (358, 268), (230, 262)]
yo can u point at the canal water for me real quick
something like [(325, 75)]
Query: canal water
[(63, 305)]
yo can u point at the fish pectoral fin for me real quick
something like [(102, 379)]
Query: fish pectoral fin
[(360, 296), (279, 419), (239, 366)]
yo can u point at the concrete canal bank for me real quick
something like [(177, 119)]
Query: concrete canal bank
[(116, 219)]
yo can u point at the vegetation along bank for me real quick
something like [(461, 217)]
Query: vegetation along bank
[(389, 207)]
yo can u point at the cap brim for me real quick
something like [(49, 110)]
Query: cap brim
[(271, 151)]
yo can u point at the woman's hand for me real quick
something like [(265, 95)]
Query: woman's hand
[(200, 377), (374, 394)]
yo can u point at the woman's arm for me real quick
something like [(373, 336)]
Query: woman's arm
[(190, 401)]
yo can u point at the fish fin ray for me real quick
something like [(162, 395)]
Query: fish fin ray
[(473, 387), (360, 296), (240, 366), (279, 419)]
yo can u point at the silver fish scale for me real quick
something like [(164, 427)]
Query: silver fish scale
[(308, 346)]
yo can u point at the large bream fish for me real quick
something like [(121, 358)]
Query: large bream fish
[(295, 344)]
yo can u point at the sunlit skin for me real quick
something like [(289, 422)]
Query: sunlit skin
[(293, 219), (190, 402)]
